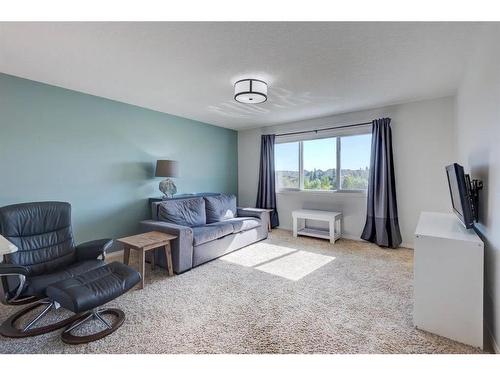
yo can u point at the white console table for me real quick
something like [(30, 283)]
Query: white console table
[(448, 279), (334, 219)]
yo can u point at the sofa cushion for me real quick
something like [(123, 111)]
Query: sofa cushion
[(220, 207), (242, 224), (188, 212), (211, 232)]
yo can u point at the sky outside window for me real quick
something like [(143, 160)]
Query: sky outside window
[(356, 151), (287, 156), (320, 154)]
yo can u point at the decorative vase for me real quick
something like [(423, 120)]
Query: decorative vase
[(168, 188)]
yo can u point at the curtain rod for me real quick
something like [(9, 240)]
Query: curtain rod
[(331, 128)]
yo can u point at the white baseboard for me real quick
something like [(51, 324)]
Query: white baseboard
[(352, 237), (355, 238), (407, 245)]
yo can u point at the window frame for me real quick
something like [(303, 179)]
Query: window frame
[(338, 175)]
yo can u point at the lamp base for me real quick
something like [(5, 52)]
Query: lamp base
[(168, 188)]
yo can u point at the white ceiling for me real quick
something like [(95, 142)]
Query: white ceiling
[(188, 69)]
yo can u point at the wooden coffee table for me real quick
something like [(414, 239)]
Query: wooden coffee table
[(144, 242)]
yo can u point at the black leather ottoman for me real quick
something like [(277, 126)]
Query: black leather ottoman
[(85, 293)]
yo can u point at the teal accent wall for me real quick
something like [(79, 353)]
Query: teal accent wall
[(99, 155)]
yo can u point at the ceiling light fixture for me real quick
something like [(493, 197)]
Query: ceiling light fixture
[(250, 91)]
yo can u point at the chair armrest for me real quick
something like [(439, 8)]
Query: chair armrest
[(182, 246), (92, 249), (13, 269)]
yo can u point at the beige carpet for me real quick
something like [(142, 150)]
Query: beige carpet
[(282, 295)]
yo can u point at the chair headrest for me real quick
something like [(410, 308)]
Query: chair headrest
[(27, 219)]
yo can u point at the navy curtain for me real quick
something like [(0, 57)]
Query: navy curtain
[(266, 193), (382, 225)]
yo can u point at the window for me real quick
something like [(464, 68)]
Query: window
[(329, 164), (286, 161), (320, 164), (355, 157)]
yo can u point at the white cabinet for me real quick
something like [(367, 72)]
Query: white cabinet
[(448, 279)]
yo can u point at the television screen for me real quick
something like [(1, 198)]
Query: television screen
[(460, 194)]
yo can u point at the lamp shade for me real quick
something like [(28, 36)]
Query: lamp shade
[(166, 168), (250, 91)]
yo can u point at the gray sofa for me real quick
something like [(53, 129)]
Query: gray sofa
[(206, 227)]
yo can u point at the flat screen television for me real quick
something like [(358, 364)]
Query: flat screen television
[(460, 191)]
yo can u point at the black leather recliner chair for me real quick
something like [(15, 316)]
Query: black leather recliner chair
[(47, 256)]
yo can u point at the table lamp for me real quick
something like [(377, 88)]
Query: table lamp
[(167, 168)]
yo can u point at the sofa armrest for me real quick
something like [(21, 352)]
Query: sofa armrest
[(262, 214), (252, 212), (92, 249), (182, 246)]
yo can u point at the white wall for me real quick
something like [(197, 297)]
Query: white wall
[(478, 140), (423, 142)]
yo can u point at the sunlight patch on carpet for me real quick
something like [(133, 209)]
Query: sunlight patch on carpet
[(257, 254), (297, 265)]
